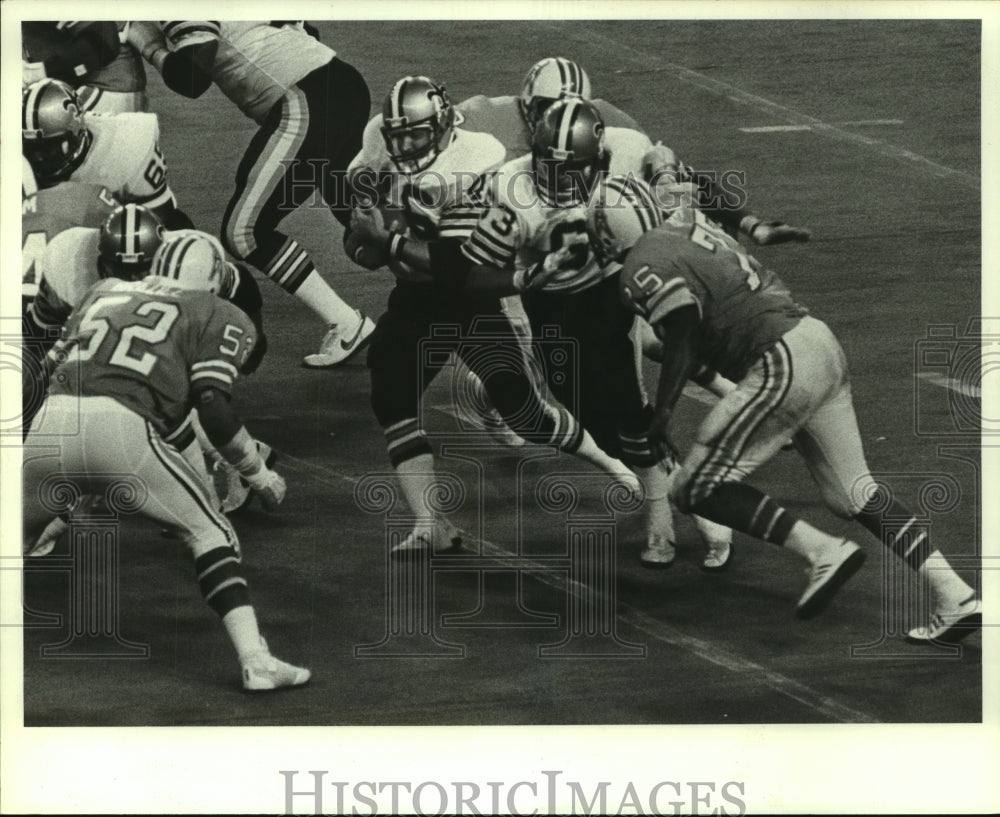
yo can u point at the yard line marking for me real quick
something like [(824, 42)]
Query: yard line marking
[(957, 386), (784, 128), (706, 650), (628, 52)]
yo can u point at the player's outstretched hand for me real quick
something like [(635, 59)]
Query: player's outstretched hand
[(777, 232), (269, 486)]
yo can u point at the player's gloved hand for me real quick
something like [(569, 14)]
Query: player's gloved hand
[(269, 486), (540, 273), (772, 232)]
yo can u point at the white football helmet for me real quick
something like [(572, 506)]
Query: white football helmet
[(192, 260), (624, 211), (548, 80), (418, 122)]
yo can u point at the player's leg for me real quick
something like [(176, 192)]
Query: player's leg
[(398, 377), (514, 393), (743, 431), (831, 445), (273, 179)]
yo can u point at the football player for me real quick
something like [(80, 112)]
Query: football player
[(120, 152), (311, 108), (537, 209), (134, 358), (431, 163), (710, 302), (123, 248)]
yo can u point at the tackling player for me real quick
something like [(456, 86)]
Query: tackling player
[(711, 303), (537, 208), (121, 152), (431, 163), (311, 108), (134, 358)]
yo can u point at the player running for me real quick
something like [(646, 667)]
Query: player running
[(711, 303), (134, 358), (537, 208), (311, 108), (431, 162)]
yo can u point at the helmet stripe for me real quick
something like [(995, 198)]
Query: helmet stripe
[(563, 78), (128, 234), (182, 248), (397, 97), (30, 108), (569, 116)]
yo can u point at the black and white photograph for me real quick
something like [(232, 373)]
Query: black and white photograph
[(518, 408)]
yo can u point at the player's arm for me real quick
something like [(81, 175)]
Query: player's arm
[(223, 349), (243, 292), (150, 187), (82, 47), (185, 60)]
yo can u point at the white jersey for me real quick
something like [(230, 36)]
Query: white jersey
[(125, 157), (518, 229), (256, 62), (70, 271)]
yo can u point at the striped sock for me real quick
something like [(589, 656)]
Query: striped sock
[(220, 581), (748, 510), (406, 440), (896, 528)]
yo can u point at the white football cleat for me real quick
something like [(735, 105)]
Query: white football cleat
[(46, 542), (827, 575), (658, 553), (951, 625), (442, 537), (262, 672), (339, 346), (718, 557)]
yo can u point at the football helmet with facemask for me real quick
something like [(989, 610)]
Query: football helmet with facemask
[(129, 238), (418, 122), (568, 153), (625, 209), (54, 134), (191, 260), (548, 80)]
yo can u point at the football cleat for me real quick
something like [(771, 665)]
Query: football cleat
[(827, 576), (46, 542), (442, 537), (263, 672), (338, 347), (718, 557), (950, 626), (658, 553)]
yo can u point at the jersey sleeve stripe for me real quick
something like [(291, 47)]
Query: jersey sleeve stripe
[(217, 377), (479, 252), (177, 30), (210, 364), (669, 300)]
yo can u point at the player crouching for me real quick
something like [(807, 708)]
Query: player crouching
[(134, 357)]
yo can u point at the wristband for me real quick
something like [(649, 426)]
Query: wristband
[(395, 245), (748, 224), (241, 452)]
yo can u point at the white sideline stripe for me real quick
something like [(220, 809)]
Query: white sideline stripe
[(783, 128), (627, 52), (949, 383), (707, 650)]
